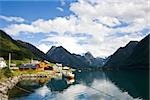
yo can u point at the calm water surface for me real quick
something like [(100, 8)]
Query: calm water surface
[(88, 85)]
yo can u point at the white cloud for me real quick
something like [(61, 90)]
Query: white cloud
[(62, 2), (43, 47), (60, 9), (68, 42), (12, 19), (16, 29), (97, 19), (100, 89), (111, 11), (116, 8), (104, 48)]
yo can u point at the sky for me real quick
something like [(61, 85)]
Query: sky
[(98, 26)]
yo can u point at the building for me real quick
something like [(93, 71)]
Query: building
[(34, 61), (13, 66), (57, 68), (2, 63), (59, 65), (43, 65), (27, 67), (65, 68), (48, 68)]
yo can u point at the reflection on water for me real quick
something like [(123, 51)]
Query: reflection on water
[(135, 82), (89, 86)]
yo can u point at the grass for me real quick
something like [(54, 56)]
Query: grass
[(5, 73), (2, 76), (24, 61), (19, 62), (30, 71)]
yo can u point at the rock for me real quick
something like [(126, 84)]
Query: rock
[(3, 97), (7, 85)]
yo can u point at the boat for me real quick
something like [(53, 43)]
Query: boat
[(79, 71), (71, 81), (69, 75)]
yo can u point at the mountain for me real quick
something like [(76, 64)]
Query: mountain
[(34, 50), (8, 45), (133, 55), (94, 62), (18, 49), (121, 55), (140, 55), (61, 55), (89, 58)]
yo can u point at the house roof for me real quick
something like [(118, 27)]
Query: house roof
[(12, 64), (46, 61), (34, 61), (1, 59), (59, 65), (27, 66)]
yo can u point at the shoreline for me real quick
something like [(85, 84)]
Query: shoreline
[(7, 85)]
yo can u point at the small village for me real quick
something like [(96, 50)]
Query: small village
[(33, 70), (37, 65)]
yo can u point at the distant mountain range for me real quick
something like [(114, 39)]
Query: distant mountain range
[(61, 55), (20, 50), (134, 55)]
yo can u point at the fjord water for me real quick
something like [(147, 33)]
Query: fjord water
[(88, 85)]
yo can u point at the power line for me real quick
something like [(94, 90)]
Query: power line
[(101, 92), (24, 89), (77, 82)]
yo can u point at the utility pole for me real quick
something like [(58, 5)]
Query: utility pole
[(9, 60), (31, 60)]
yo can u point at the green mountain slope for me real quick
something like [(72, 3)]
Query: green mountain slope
[(38, 54), (8, 45)]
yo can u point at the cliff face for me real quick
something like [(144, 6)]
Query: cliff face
[(133, 55), (140, 56)]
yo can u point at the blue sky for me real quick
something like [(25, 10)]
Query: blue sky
[(98, 26), (33, 10)]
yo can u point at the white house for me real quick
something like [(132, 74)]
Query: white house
[(65, 68), (2, 63), (59, 65), (34, 61), (57, 68)]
